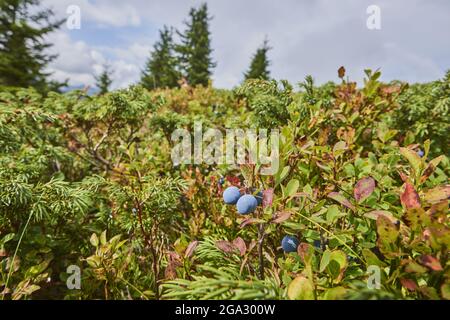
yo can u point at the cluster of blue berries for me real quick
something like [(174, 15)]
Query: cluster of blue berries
[(245, 204)]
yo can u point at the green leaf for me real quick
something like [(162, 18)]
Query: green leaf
[(336, 293), (337, 265), (7, 238), (292, 187), (332, 213), (372, 259), (325, 260), (283, 174)]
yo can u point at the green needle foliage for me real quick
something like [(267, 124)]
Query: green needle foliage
[(161, 68), (104, 80), (89, 181), (259, 66), (195, 48), (23, 57)]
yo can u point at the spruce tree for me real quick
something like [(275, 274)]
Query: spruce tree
[(23, 60), (195, 48), (103, 81), (161, 68), (259, 67)]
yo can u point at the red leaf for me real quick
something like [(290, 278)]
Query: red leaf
[(408, 284), (267, 198), (240, 244), (364, 188), (190, 249), (409, 198), (431, 262)]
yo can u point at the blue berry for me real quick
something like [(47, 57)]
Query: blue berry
[(259, 197), (317, 244), (231, 195), (420, 153), (246, 204), (221, 181), (289, 244)]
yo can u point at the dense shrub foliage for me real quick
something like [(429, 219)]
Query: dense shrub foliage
[(362, 183)]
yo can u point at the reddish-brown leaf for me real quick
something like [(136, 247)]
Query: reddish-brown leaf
[(430, 168), (267, 198), (364, 188), (281, 216), (225, 246), (409, 198), (190, 249), (239, 243), (305, 251), (341, 199), (248, 221), (174, 261), (431, 262)]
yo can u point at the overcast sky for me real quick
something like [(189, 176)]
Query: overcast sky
[(308, 37)]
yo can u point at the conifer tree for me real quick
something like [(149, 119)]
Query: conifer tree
[(259, 67), (104, 80), (23, 57), (195, 48), (161, 68)]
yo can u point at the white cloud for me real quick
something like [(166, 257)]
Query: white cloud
[(308, 37), (80, 62), (103, 13)]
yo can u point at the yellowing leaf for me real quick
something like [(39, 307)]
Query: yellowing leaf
[(301, 288), (94, 240), (413, 159), (437, 194)]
